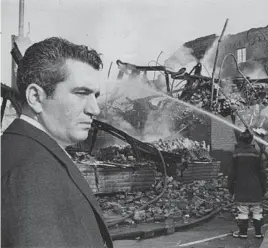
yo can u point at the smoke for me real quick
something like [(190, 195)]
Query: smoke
[(209, 57), (208, 60), (184, 57), (254, 70), (181, 58), (159, 124), (121, 93), (136, 108)]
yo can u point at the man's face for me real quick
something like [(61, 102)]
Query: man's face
[(67, 115)]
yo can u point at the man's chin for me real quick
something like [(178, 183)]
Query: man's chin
[(81, 136)]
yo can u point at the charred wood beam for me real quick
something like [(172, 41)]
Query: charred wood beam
[(16, 54), (94, 139), (3, 107), (187, 76), (135, 70), (142, 149), (241, 80), (139, 68), (7, 93), (167, 82)]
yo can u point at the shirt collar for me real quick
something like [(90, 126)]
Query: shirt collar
[(33, 122)]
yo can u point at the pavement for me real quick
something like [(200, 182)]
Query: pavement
[(212, 234)]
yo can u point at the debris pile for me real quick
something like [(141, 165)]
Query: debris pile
[(182, 202), (189, 150)]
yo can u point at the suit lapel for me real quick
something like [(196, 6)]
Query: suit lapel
[(21, 127)]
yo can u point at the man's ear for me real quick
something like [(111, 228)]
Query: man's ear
[(35, 95)]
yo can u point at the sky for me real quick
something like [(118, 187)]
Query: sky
[(135, 31)]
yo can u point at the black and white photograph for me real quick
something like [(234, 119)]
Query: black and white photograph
[(134, 123)]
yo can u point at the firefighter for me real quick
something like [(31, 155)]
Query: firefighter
[(247, 182)]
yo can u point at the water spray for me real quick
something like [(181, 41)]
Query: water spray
[(211, 115)]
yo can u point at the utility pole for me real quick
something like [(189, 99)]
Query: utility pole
[(14, 38), (21, 18)]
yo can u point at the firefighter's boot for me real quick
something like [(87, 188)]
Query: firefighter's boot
[(243, 229), (257, 225)]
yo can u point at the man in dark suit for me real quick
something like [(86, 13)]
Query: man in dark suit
[(46, 202)]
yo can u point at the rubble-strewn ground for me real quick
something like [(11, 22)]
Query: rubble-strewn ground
[(183, 202)]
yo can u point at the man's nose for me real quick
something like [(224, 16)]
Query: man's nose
[(92, 106)]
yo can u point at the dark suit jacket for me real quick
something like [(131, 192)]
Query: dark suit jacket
[(46, 202)]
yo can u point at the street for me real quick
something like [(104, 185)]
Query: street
[(217, 229)]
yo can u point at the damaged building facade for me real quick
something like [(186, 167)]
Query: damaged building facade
[(250, 48), (251, 51)]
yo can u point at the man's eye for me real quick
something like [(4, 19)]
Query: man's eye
[(82, 93)]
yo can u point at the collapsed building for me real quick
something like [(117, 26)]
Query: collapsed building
[(250, 49)]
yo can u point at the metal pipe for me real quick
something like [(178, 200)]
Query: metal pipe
[(21, 18)]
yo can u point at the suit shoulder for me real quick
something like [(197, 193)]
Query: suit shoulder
[(21, 151)]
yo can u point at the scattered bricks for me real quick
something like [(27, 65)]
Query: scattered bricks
[(139, 215)]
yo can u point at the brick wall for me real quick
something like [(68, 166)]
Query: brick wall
[(222, 136), (201, 171), (256, 51), (114, 179), (222, 143)]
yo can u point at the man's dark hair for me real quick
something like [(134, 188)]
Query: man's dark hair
[(246, 137), (44, 63)]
